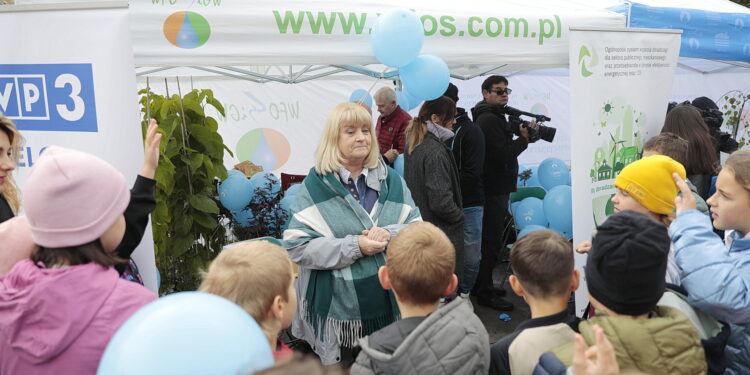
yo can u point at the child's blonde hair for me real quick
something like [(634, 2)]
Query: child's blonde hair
[(420, 263), (739, 163), (250, 274)]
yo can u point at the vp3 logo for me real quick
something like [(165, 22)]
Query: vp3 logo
[(49, 97)]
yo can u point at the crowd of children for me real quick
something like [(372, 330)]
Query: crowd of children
[(668, 295)]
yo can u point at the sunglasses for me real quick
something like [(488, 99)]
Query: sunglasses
[(503, 91)]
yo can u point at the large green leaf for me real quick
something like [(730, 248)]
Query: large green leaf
[(165, 176), (204, 220), (183, 224), (181, 244), (216, 104), (192, 105), (204, 204)]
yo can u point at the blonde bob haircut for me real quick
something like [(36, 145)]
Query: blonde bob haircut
[(328, 157), (10, 191)]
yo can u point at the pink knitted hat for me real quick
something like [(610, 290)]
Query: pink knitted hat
[(15, 243), (71, 198)]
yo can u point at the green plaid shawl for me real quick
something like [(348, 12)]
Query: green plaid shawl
[(348, 302)]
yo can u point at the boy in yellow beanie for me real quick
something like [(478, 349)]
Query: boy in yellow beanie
[(647, 186)]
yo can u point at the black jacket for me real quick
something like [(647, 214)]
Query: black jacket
[(142, 202), (5, 212), (468, 150), (501, 150), (432, 178)]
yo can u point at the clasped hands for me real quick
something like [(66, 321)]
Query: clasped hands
[(374, 240)]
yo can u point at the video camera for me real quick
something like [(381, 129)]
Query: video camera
[(546, 133), (713, 118)]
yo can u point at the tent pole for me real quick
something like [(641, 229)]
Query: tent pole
[(227, 74), (253, 74), (147, 72), (300, 73)]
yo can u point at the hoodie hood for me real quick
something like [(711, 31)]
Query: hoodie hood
[(43, 311), (484, 107)]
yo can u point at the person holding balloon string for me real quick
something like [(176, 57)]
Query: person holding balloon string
[(346, 211)]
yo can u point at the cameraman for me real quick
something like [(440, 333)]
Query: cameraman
[(714, 118), (499, 175)]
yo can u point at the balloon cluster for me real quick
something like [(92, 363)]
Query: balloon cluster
[(256, 203), (555, 211), (396, 41), (188, 333)]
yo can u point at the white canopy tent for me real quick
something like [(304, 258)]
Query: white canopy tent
[(297, 41)]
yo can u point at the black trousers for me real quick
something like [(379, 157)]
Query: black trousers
[(493, 229)]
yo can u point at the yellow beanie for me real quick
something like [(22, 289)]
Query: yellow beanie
[(649, 181)]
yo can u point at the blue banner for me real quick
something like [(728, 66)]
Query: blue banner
[(49, 97), (706, 34)]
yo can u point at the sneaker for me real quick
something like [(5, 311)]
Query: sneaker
[(495, 302)]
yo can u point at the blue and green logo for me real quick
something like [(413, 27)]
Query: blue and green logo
[(186, 29)]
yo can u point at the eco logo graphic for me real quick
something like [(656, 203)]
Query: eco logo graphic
[(620, 143), (186, 29), (585, 54), (265, 147)]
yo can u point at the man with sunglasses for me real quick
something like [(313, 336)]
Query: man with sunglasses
[(499, 176)]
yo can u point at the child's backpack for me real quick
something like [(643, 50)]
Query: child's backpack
[(713, 333)]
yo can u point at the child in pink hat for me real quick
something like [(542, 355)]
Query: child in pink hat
[(59, 309)]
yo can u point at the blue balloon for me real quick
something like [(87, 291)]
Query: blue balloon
[(414, 102), (529, 229), (235, 192), (244, 218), (286, 203), (530, 211), (398, 164), (558, 207), (267, 183), (553, 172), (403, 100), (292, 190), (187, 333), (427, 77), (233, 172), (533, 180), (513, 207), (361, 95), (397, 37)]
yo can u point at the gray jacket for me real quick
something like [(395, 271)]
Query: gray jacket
[(450, 341)]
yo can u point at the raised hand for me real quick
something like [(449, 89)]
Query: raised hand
[(597, 360), (687, 200), (151, 151)]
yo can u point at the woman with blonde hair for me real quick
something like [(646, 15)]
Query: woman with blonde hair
[(431, 172), (10, 142), (348, 209)]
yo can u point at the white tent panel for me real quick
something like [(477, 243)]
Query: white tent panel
[(237, 32)]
